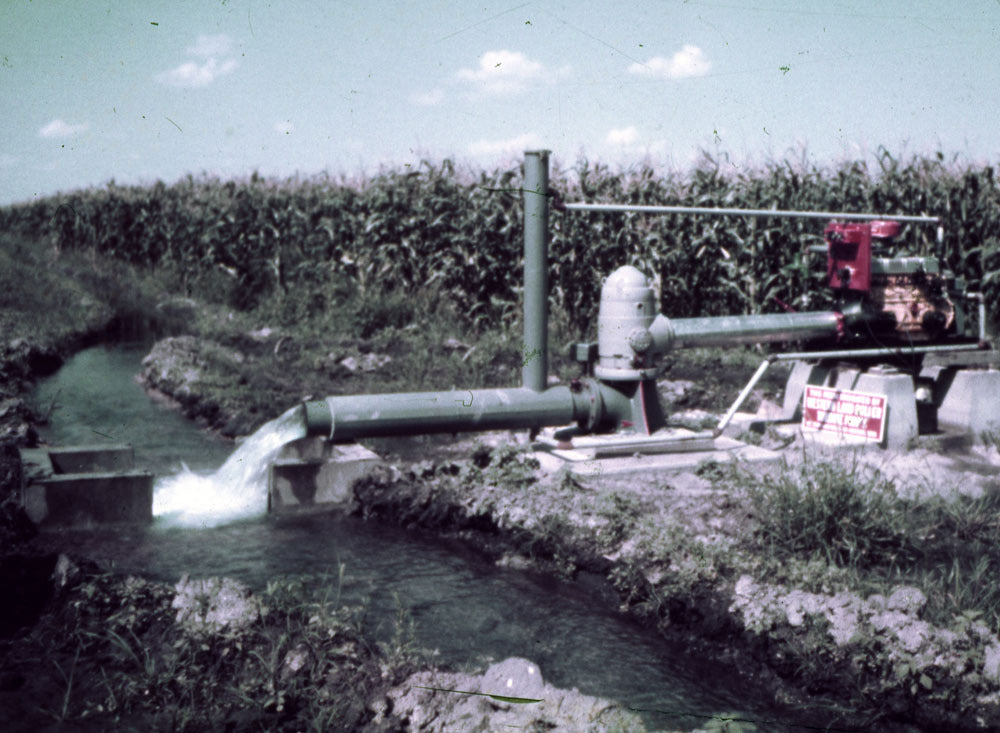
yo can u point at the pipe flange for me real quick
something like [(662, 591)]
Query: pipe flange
[(588, 403), (318, 418)]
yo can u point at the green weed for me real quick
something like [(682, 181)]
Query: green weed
[(846, 514), (835, 524), (122, 660), (622, 512), (507, 466), (63, 713)]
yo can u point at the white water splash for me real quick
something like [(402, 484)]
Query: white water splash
[(238, 490)]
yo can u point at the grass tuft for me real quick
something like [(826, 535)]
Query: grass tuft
[(824, 524), (117, 658), (845, 514)]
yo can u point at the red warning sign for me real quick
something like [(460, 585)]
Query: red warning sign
[(829, 410)]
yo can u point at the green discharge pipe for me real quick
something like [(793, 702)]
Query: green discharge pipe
[(679, 333), (352, 417), (625, 399)]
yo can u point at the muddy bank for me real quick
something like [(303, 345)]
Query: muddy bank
[(676, 550), (22, 361)]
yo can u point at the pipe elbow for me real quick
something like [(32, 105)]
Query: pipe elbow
[(663, 333)]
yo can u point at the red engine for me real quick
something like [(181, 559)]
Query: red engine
[(849, 256), (909, 295)]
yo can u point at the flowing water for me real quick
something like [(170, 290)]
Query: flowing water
[(238, 490), (210, 502)]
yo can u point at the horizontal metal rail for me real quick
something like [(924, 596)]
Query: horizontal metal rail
[(865, 353), (847, 216)]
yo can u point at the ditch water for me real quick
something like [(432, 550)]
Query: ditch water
[(463, 606)]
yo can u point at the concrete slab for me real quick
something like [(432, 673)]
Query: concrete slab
[(50, 460), (92, 458), (83, 486), (670, 440), (36, 463), (584, 463), (312, 475)]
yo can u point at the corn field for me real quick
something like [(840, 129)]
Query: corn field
[(301, 242)]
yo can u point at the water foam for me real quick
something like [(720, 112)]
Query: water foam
[(238, 490)]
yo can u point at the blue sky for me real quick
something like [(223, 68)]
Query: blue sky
[(139, 91)]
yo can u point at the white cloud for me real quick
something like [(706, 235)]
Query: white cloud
[(208, 46), (623, 136), (506, 72), (190, 74), (512, 145), (284, 127), (58, 128), (7, 160), (428, 99), (689, 61)]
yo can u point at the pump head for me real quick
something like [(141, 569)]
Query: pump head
[(624, 341)]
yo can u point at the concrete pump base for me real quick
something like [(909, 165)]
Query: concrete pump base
[(961, 400), (901, 425), (312, 475), (970, 399)]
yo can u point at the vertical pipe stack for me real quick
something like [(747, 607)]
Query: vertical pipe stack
[(535, 354)]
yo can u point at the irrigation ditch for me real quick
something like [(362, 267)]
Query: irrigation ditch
[(86, 648), (90, 649), (676, 551), (809, 634)]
